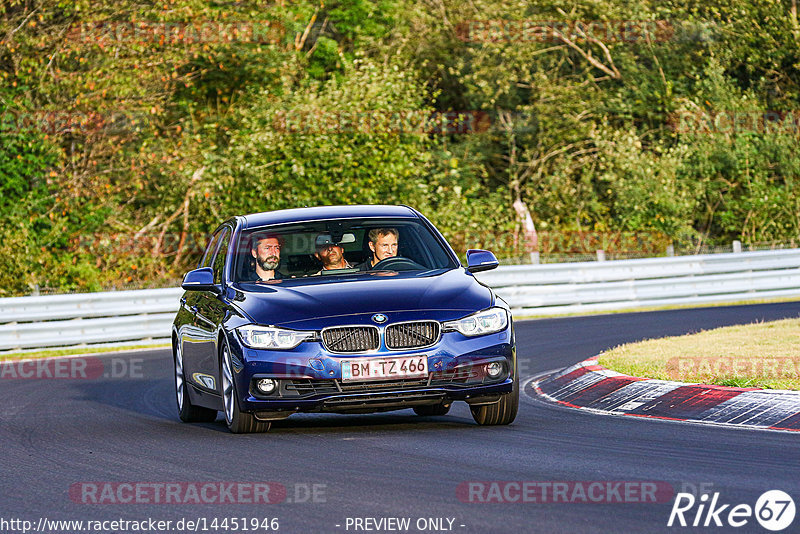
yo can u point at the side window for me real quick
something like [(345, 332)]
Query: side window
[(219, 260), (209, 253)]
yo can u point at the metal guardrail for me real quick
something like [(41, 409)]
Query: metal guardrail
[(85, 318), (550, 289), (627, 284)]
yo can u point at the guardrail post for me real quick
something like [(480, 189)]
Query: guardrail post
[(535, 257), (737, 246), (670, 251), (601, 255)]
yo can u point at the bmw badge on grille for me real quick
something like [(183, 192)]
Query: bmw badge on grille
[(379, 318)]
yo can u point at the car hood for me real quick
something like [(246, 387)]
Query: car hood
[(302, 305)]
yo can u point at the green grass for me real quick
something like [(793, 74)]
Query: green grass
[(760, 355), (658, 308), (52, 353)]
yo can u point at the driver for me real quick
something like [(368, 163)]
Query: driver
[(266, 251), (330, 254), (383, 244)]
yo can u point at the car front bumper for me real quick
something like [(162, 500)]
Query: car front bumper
[(310, 378)]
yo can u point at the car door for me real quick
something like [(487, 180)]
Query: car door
[(211, 311), (199, 342), (188, 332)]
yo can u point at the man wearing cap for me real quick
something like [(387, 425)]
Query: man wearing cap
[(330, 254)]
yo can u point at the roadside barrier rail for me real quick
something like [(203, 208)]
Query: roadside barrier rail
[(541, 290), (553, 289)]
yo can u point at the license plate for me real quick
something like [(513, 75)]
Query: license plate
[(384, 368)]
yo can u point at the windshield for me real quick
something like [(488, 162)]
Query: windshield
[(318, 250)]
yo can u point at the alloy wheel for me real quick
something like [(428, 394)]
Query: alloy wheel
[(179, 379), (227, 385)]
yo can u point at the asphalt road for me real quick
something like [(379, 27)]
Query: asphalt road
[(62, 434)]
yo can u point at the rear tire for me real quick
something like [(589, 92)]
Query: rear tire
[(432, 409), (502, 412), (238, 422), (188, 412)]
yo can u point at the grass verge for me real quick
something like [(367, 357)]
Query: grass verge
[(760, 355), (721, 304)]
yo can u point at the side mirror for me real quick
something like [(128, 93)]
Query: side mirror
[(480, 260), (201, 279)]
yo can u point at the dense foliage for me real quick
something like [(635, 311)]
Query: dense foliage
[(128, 129)]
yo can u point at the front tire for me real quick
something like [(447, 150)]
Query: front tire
[(502, 412), (238, 422), (188, 412)]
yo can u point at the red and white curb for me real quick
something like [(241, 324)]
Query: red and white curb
[(590, 386)]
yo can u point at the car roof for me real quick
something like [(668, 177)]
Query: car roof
[(326, 212)]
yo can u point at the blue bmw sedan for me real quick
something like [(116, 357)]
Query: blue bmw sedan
[(343, 309)]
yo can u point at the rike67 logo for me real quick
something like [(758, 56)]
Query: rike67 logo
[(774, 510)]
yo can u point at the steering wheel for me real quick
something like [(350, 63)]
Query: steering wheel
[(397, 263)]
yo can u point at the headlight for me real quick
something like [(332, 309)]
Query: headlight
[(484, 322), (267, 337)]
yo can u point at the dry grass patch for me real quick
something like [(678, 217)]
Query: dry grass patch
[(763, 355)]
